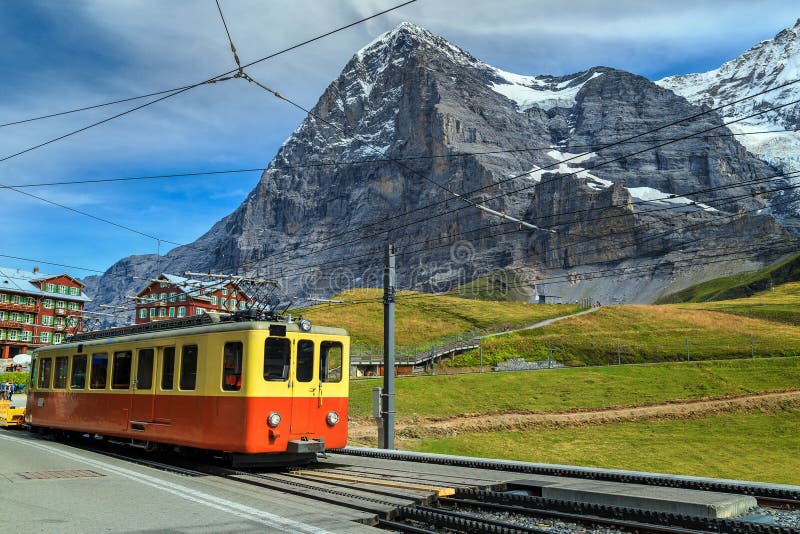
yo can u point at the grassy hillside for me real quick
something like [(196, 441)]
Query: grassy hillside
[(780, 304), (640, 334), (739, 285), (570, 389), (422, 317)]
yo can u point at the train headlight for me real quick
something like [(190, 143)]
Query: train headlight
[(332, 418), (274, 419), (304, 324)]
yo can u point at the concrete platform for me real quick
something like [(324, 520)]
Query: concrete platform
[(654, 498), (52, 487)]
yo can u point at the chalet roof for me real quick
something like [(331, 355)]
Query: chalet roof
[(28, 283)]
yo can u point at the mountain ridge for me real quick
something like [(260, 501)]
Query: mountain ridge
[(411, 94)]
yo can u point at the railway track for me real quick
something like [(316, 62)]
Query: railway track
[(394, 497), (769, 495)]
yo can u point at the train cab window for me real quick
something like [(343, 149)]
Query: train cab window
[(99, 371), (188, 367), (277, 355), (60, 375), (305, 360), (78, 380), (168, 369), (45, 367), (330, 361), (121, 370), (232, 366), (144, 369)]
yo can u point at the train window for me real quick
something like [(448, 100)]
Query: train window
[(60, 376), (78, 380), (330, 361), (45, 365), (232, 366), (305, 360), (276, 359), (99, 371), (144, 370), (121, 370), (168, 368), (189, 367)]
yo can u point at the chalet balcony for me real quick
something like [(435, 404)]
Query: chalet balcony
[(8, 323), (29, 308)]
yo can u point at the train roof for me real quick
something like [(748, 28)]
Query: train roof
[(202, 324)]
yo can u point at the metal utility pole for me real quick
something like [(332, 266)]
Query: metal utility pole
[(388, 347)]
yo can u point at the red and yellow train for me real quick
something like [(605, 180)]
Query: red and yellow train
[(249, 388)]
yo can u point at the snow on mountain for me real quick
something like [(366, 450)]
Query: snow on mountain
[(770, 64), (544, 92)]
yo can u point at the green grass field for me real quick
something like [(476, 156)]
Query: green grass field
[(781, 304), (575, 388), (637, 334), (760, 446), (423, 318)]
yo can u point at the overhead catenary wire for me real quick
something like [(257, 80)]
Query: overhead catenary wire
[(340, 163), (165, 91), (169, 95)]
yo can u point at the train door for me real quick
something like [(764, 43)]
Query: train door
[(304, 388), (143, 398)]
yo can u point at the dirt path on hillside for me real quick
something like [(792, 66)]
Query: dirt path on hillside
[(363, 431)]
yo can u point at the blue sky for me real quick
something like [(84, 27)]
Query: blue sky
[(56, 56)]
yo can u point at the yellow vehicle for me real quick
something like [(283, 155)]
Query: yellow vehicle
[(11, 415)]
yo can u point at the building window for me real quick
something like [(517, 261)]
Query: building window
[(61, 304), (44, 337), (57, 337), (172, 311), (234, 293), (173, 297), (49, 288), (199, 311), (63, 290), (48, 303), (47, 320), (27, 335), (143, 313), (182, 297), (2, 315), (2, 334), (28, 318), (152, 312), (224, 304), (214, 301), (76, 291), (31, 301), (225, 292), (15, 317), (12, 335), (3, 298), (181, 311), (162, 312)]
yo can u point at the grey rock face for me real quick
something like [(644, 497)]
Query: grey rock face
[(769, 70), (412, 120)]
